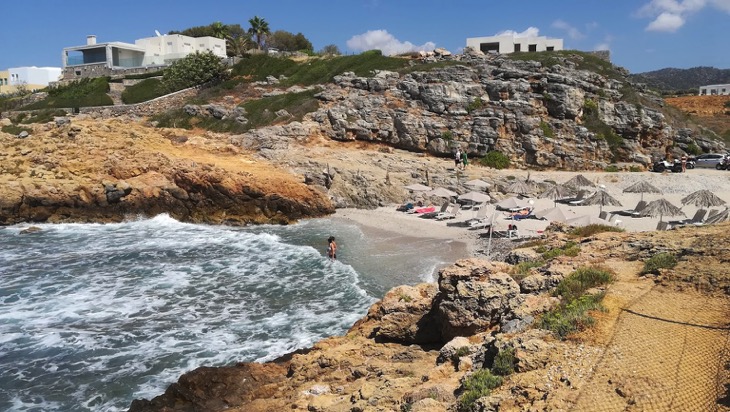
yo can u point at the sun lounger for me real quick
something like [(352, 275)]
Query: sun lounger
[(424, 210), (636, 211), (481, 214), (432, 214), (520, 216), (450, 214), (697, 219), (569, 200), (580, 198)]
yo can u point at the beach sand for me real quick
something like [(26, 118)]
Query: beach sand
[(673, 188)]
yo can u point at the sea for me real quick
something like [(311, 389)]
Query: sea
[(93, 316)]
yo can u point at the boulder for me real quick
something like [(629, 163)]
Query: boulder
[(474, 295)]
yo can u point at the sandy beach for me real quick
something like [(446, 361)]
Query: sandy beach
[(673, 188)]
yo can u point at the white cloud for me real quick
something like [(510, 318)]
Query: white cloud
[(529, 32), (385, 42), (573, 32), (666, 22), (670, 15)]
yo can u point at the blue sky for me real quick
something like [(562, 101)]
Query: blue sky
[(642, 35)]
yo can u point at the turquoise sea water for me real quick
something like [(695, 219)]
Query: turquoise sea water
[(93, 316)]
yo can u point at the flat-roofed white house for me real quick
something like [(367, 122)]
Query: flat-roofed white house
[(715, 90), (507, 44), (102, 59), (30, 78)]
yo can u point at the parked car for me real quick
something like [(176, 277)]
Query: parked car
[(709, 160)]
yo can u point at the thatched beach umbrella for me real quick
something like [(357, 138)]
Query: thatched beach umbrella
[(602, 198), (579, 181), (702, 198), (554, 214), (520, 188), (477, 184), (475, 197), (556, 192), (661, 207), (417, 187), (512, 203), (441, 192), (642, 187)]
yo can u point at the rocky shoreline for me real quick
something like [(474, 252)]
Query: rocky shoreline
[(417, 346)]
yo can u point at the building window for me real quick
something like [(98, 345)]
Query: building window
[(169, 43), (550, 48), (532, 47), (518, 47)]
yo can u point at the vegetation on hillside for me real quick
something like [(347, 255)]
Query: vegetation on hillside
[(681, 81), (80, 93), (192, 70), (143, 91)]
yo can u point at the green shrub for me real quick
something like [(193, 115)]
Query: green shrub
[(578, 282), (522, 269), (634, 169), (475, 386), (143, 91), (495, 159), (590, 230), (611, 169), (462, 351), (571, 317), (547, 131), (727, 104), (81, 93), (447, 135), (14, 130), (262, 112), (43, 116), (504, 362), (663, 260), (569, 249), (173, 118), (475, 104), (693, 149), (192, 70), (158, 73)]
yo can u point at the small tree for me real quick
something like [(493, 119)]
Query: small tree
[(192, 70), (330, 50), (259, 29)]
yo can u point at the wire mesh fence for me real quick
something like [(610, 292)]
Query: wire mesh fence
[(668, 352)]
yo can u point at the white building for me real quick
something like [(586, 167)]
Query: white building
[(715, 89), (510, 44), (102, 59), (28, 78)]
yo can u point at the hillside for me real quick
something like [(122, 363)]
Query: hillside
[(673, 80)]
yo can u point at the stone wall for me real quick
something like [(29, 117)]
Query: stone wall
[(99, 70)]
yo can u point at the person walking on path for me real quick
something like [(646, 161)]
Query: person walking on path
[(684, 163), (332, 248), (457, 158), (464, 160)]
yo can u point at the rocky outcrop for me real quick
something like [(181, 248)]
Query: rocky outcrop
[(535, 114), (107, 171)]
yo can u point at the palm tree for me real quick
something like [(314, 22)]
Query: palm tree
[(237, 45), (219, 29), (259, 29)]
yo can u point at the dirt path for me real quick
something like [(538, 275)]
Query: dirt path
[(667, 352)]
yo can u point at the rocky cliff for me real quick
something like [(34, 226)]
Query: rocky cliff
[(88, 170), (551, 114), (419, 347)]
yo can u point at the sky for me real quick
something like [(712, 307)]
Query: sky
[(642, 35)]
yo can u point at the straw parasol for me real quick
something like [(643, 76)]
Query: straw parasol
[(417, 187), (661, 207), (512, 203), (520, 188), (477, 183), (586, 220), (554, 214), (556, 192), (441, 192), (702, 198), (642, 187), (579, 181), (602, 198), (475, 197)]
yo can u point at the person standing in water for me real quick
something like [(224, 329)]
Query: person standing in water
[(332, 248)]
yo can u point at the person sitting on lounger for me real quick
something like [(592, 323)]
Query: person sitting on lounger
[(521, 213)]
